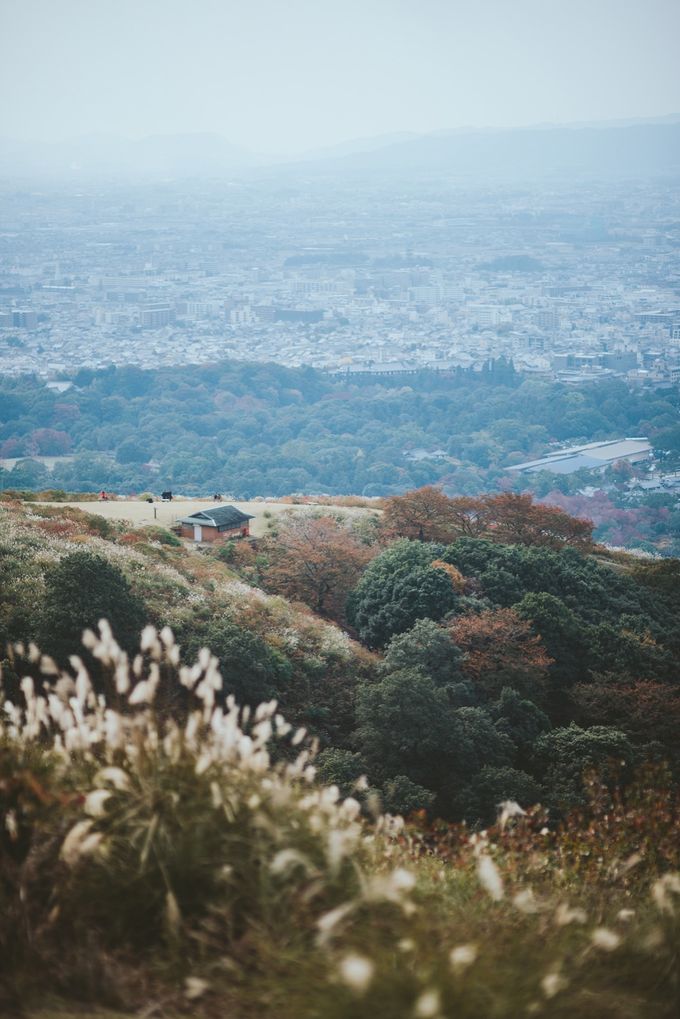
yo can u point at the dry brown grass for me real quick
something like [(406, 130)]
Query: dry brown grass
[(165, 514)]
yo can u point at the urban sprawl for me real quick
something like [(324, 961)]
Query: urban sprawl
[(569, 282)]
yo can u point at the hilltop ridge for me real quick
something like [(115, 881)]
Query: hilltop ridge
[(649, 145)]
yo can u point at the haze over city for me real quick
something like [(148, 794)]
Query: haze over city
[(284, 78)]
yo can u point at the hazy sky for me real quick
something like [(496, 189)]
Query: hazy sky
[(285, 75)]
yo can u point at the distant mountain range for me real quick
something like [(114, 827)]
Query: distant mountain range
[(632, 149), (620, 148)]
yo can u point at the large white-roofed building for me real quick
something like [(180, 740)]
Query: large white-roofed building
[(593, 456)]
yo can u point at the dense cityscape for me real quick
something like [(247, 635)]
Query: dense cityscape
[(354, 274)]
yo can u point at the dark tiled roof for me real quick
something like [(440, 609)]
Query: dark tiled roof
[(220, 516)]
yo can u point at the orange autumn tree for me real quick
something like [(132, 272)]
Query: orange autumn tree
[(513, 519), (469, 516), (427, 514), (501, 650), (424, 514), (315, 560)]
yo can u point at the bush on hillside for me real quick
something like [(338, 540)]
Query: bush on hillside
[(80, 589)]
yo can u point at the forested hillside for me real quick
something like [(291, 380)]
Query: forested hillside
[(482, 668), (268, 430), (158, 843)]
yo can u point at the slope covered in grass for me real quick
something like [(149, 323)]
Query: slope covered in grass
[(487, 670), (166, 863)]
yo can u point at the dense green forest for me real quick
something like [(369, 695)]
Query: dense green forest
[(264, 429)]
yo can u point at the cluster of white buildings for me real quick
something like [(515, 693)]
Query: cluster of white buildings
[(576, 284)]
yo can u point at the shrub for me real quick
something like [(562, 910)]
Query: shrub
[(162, 536), (81, 589), (402, 796), (155, 832), (251, 669), (99, 525), (341, 768), (225, 551)]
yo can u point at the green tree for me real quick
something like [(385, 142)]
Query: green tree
[(343, 768), (399, 587), (564, 756), (479, 743), (521, 721), (428, 647), (478, 802), (131, 451), (79, 591), (409, 727), (406, 726), (399, 795), (566, 638), (252, 670)]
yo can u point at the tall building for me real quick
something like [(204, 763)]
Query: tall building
[(25, 319), (548, 319), (155, 316)]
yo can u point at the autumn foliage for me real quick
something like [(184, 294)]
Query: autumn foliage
[(423, 514), (497, 644), (315, 560), (427, 514)]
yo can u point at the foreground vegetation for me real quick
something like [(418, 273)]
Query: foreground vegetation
[(177, 856)]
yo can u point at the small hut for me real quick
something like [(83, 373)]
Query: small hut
[(220, 523)]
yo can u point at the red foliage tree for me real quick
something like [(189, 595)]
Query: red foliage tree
[(513, 519), (50, 442), (425, 514), (429, 515), (501, 650), (315, 560), (12, 448), (470, 517)]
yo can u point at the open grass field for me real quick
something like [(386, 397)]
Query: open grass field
[(165, 514)]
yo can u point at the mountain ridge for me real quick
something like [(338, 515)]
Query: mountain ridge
[(637, 144)]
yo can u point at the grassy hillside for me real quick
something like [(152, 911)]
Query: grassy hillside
[(168, 864), (263, 638), (477, 670), (164, 851)]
